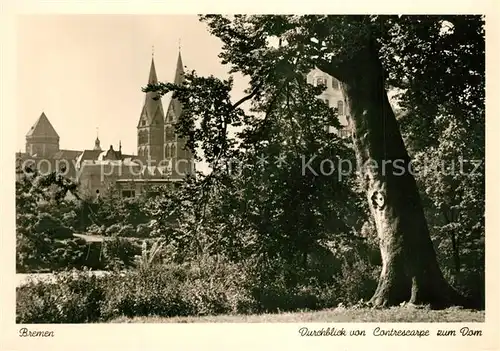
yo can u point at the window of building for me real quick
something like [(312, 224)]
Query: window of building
[(143, 123), (327, 102), (340, 108), (169, 133), (335, 83), (321, 81), (128, 193)]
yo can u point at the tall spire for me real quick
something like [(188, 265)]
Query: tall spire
[(153, 79), (179, 70), (152, 103), (174, 107)]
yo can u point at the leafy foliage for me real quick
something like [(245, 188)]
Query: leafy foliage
[(208, 287), (286, 235)]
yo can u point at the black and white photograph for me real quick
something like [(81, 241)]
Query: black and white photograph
[(251, 168)]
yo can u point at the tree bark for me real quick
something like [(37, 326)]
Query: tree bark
[(410, 272)]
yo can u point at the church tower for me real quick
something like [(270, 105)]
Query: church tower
[(42, 139), (97, 143), (175, 146), (150, 127)]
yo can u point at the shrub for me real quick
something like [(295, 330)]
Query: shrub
[(151, 256), (126, 231), (42, 253), (72, 298), (155, 292), (469, 283), (95, 229), (68, 253), (119, 253), (167, 290), (52, 226), (70, 219), (142, 230), (113, 229), (357, 281), (208, 287)]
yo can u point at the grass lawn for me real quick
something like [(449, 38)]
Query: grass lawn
[(337, 315)]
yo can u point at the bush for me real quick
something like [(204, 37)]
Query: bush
[(142, 230), (52, 226), (42, 253), (119, 253), (72, 298), (113, 229), (144, 294), (68, 253), (96, 230), (469, 283), (358, 281), (126, 231), (208, 287), (167, 290)]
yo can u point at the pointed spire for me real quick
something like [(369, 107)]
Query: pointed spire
[(152, 106), (153, 79), (174, 108), (179, 70)]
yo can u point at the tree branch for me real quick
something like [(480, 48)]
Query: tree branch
[(248, 97)]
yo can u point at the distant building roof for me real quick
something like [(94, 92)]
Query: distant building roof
[(42, 128), (67, 154)]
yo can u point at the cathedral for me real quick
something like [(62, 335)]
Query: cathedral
[(162, 156)]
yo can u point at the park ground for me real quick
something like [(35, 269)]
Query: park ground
[(337, 315)]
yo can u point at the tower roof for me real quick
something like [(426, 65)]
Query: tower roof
[(152, 106), (174, 106), (42, 128), (97, 144), (179, 70), (153, 79)]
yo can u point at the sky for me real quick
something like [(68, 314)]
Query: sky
[(86, 71)]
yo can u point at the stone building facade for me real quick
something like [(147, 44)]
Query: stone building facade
[(161, 155), (332, 96)]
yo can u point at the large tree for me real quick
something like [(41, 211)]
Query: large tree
[(353, 49)]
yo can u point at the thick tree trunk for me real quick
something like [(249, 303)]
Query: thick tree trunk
[(410, 272)]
